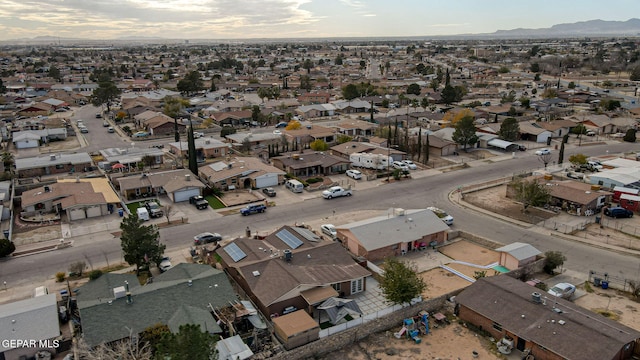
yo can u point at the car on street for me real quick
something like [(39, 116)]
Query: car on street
[(410, 164), (562, 290), (618, 212), (165, 264), (83, 129), (98, 115), (197, 134), (591, 133), (400, 165), (281, 125), (141, 134), (354, 174), (105, 124), (253, 209), (270, 192), (277, 132), (206, 237), (110, 129), (329, 229), (446, 218), (543, 152)]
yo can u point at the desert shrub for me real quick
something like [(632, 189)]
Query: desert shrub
[(94, 274), (314, 180), (60, 276)]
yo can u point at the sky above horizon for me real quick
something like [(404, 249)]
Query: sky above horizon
[(246, 19)]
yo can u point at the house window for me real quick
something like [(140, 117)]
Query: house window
[(497, 326), (234, 180), (336, 287), (59, 166), (356, 286), (138, 191)]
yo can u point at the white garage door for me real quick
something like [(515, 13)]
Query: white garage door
[(77, 214), (94, 211), (184, 195), (266, 181)]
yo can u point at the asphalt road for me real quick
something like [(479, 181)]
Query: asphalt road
[(101, 248)]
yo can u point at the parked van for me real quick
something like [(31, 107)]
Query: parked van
[(143, 213), (40, 291), (294, 185)]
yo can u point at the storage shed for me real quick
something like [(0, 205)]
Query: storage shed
[(296, 329)]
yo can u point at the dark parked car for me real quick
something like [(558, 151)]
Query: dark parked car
[(206, 237), (155, 211), (270, 192), (618, 212), (253, 209), (199, 202)]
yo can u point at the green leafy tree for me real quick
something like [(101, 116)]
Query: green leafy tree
[(305, 82), (140, 243), (448, 94), (553, 259), (7, 160), (579, 129), (350, 92), (6, 247), (630, 136), (465, 132), (578, 159), (413, 89), (191, 83), (54, 73), (106, 93), (509, 129), (535, 68), (530, 193), (153, 335), (400, 282), (190, 343), (319, 145), (342, 138), (307, 65), (3, 88), (610, 104), (634, 75)]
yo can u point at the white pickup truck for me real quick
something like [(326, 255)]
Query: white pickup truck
[(336, 191), (446, 218)]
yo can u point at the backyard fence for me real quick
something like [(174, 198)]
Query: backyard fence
[(604, 280)]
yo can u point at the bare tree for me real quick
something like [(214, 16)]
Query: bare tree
[(545, 159), (168, 212), (121, 350)]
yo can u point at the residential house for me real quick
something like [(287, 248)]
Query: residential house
[(314, 98), (31, 319), (206, 148), (77, 199), (292, 269), (116, 306), (441, 147), (232, 118), (550, 328), (534, 132), (130, 157), (296, 329), (179, 185), (245, 172), (309, 134), (344, 150), (558, 128), (600, 124), (355, 106), (394, 234), (36, 109), (316, 111), (576, 198), (52, 164), (161, 124), (309, 163), (34, 138), (353, 128), (517, 255)]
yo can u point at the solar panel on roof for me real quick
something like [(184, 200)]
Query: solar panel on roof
[(289, 239), (235, 252), (307, 234)]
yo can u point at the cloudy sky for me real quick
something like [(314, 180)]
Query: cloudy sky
[(237, 19)]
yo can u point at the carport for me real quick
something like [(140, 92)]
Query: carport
[(502, 144)]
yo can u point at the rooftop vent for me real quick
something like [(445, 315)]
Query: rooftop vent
[(47, 189), (52, 157), (256, 273), (288, 255), (536, 297), (187, 177)]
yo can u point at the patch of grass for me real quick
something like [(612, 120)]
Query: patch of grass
[(325, 325), (134, 205), (214, 202), (608, 314), (588, 288)]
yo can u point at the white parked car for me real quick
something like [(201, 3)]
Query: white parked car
[(165, 264), (277, 132), (329, 229), (400, 165), (543, 152), (354, 174), (410, 164), (446, 218), (563, 290)]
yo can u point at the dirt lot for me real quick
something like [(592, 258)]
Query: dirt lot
[(623, 309), (449, 342), (470, 252)]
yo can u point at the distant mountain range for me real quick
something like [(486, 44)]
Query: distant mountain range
[(595, 28), (591, 28)]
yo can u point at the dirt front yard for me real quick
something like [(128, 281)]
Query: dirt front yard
[(451, 341)]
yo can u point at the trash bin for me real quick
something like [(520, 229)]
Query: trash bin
[(597, 281), (605, 284), (121, 212), (598, 218)]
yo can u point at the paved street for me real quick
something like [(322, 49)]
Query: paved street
[(427, 188)]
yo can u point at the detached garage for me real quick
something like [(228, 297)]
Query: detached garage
[(182, 188)]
